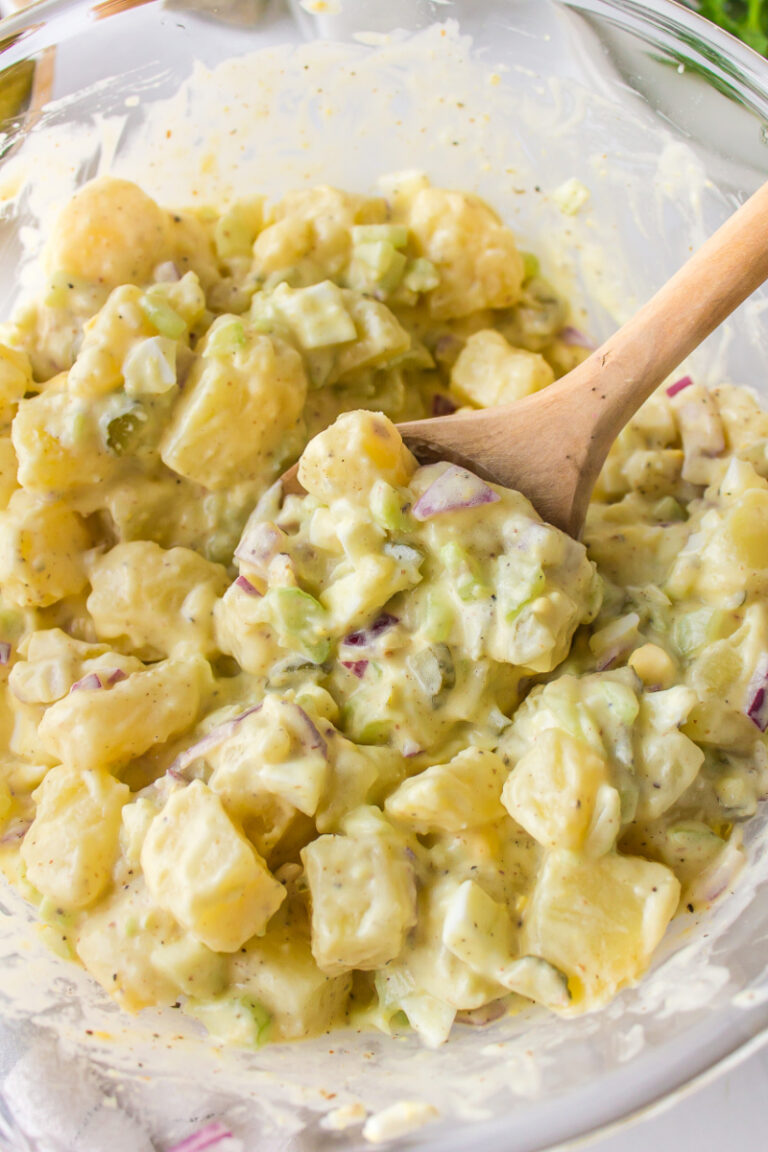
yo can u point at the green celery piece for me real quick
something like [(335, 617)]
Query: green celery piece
[(394, 234), (463, 571), (226, 339), (531, 265), (439, 617), (387, 508), (162, 316), (300, 621), (421, 275)]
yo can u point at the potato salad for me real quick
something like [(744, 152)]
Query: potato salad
[(392, 753)]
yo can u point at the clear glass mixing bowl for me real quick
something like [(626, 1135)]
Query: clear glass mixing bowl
[(663, 119)]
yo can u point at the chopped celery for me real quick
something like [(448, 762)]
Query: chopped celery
[(241, 1020), (440, 616), (433, 669), (421, 276), (691, 631), (125, 430), (382, 263), (225, 338), (463, 571), (394, 234), (387, 508), (620, 699), (161, 315), (531, 265), (300, 621), (693, 841)]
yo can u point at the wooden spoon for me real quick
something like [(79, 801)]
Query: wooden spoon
[(551, 445)]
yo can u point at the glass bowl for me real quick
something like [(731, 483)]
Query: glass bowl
[(663, 119)]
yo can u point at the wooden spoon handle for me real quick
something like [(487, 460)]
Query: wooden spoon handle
[(719, 276)]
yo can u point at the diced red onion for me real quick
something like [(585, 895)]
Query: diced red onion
[(446, 344), (116, 676), (575, 338), (315, 740), (246, 586), (756, 707), (89, 682), (5, 652), (683, 382), (363, 636), (356, 667), (211, 740), (442, 405), (410, 748), (15, 831), (166, 273), (206, 1137), (259, 544), (454, 490)]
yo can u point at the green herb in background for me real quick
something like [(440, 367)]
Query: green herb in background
[(747, 19)]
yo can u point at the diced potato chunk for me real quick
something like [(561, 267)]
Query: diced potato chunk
[(599, 921), (350, 456), (41, 547), (463, 793), (116, 942), (559, 792), (159, 602), (475, 255), (240, 415), (8, 470), (278, 969), (72, 845), (200, 868), (363, 894), (15, 380), (110, 232), (99, 728), (277, 750), (60, 444), (489, 371)]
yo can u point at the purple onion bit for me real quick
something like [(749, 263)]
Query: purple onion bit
[(116, 676), (211, 740), (204, 1138), (312, 740), (16, 831), (442, 405), (5, 652), (454, 490), (259, 544), (363, 636), (89, 683), (575, 338), (756, 707), (679, 385), (246, 586), (356, 667)]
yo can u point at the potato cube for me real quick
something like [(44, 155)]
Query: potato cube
[(72, 846), (490, 371), (15, 380), (599, 921), (560, 792), (116, 943), (363, 894), (474, 254), (201, 869), (110, 232), (102, 727), (279, 970), (41, 551), (350, 456), (8, 470), (448, 797), (157, 602), (240, 415), (60, 444)]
